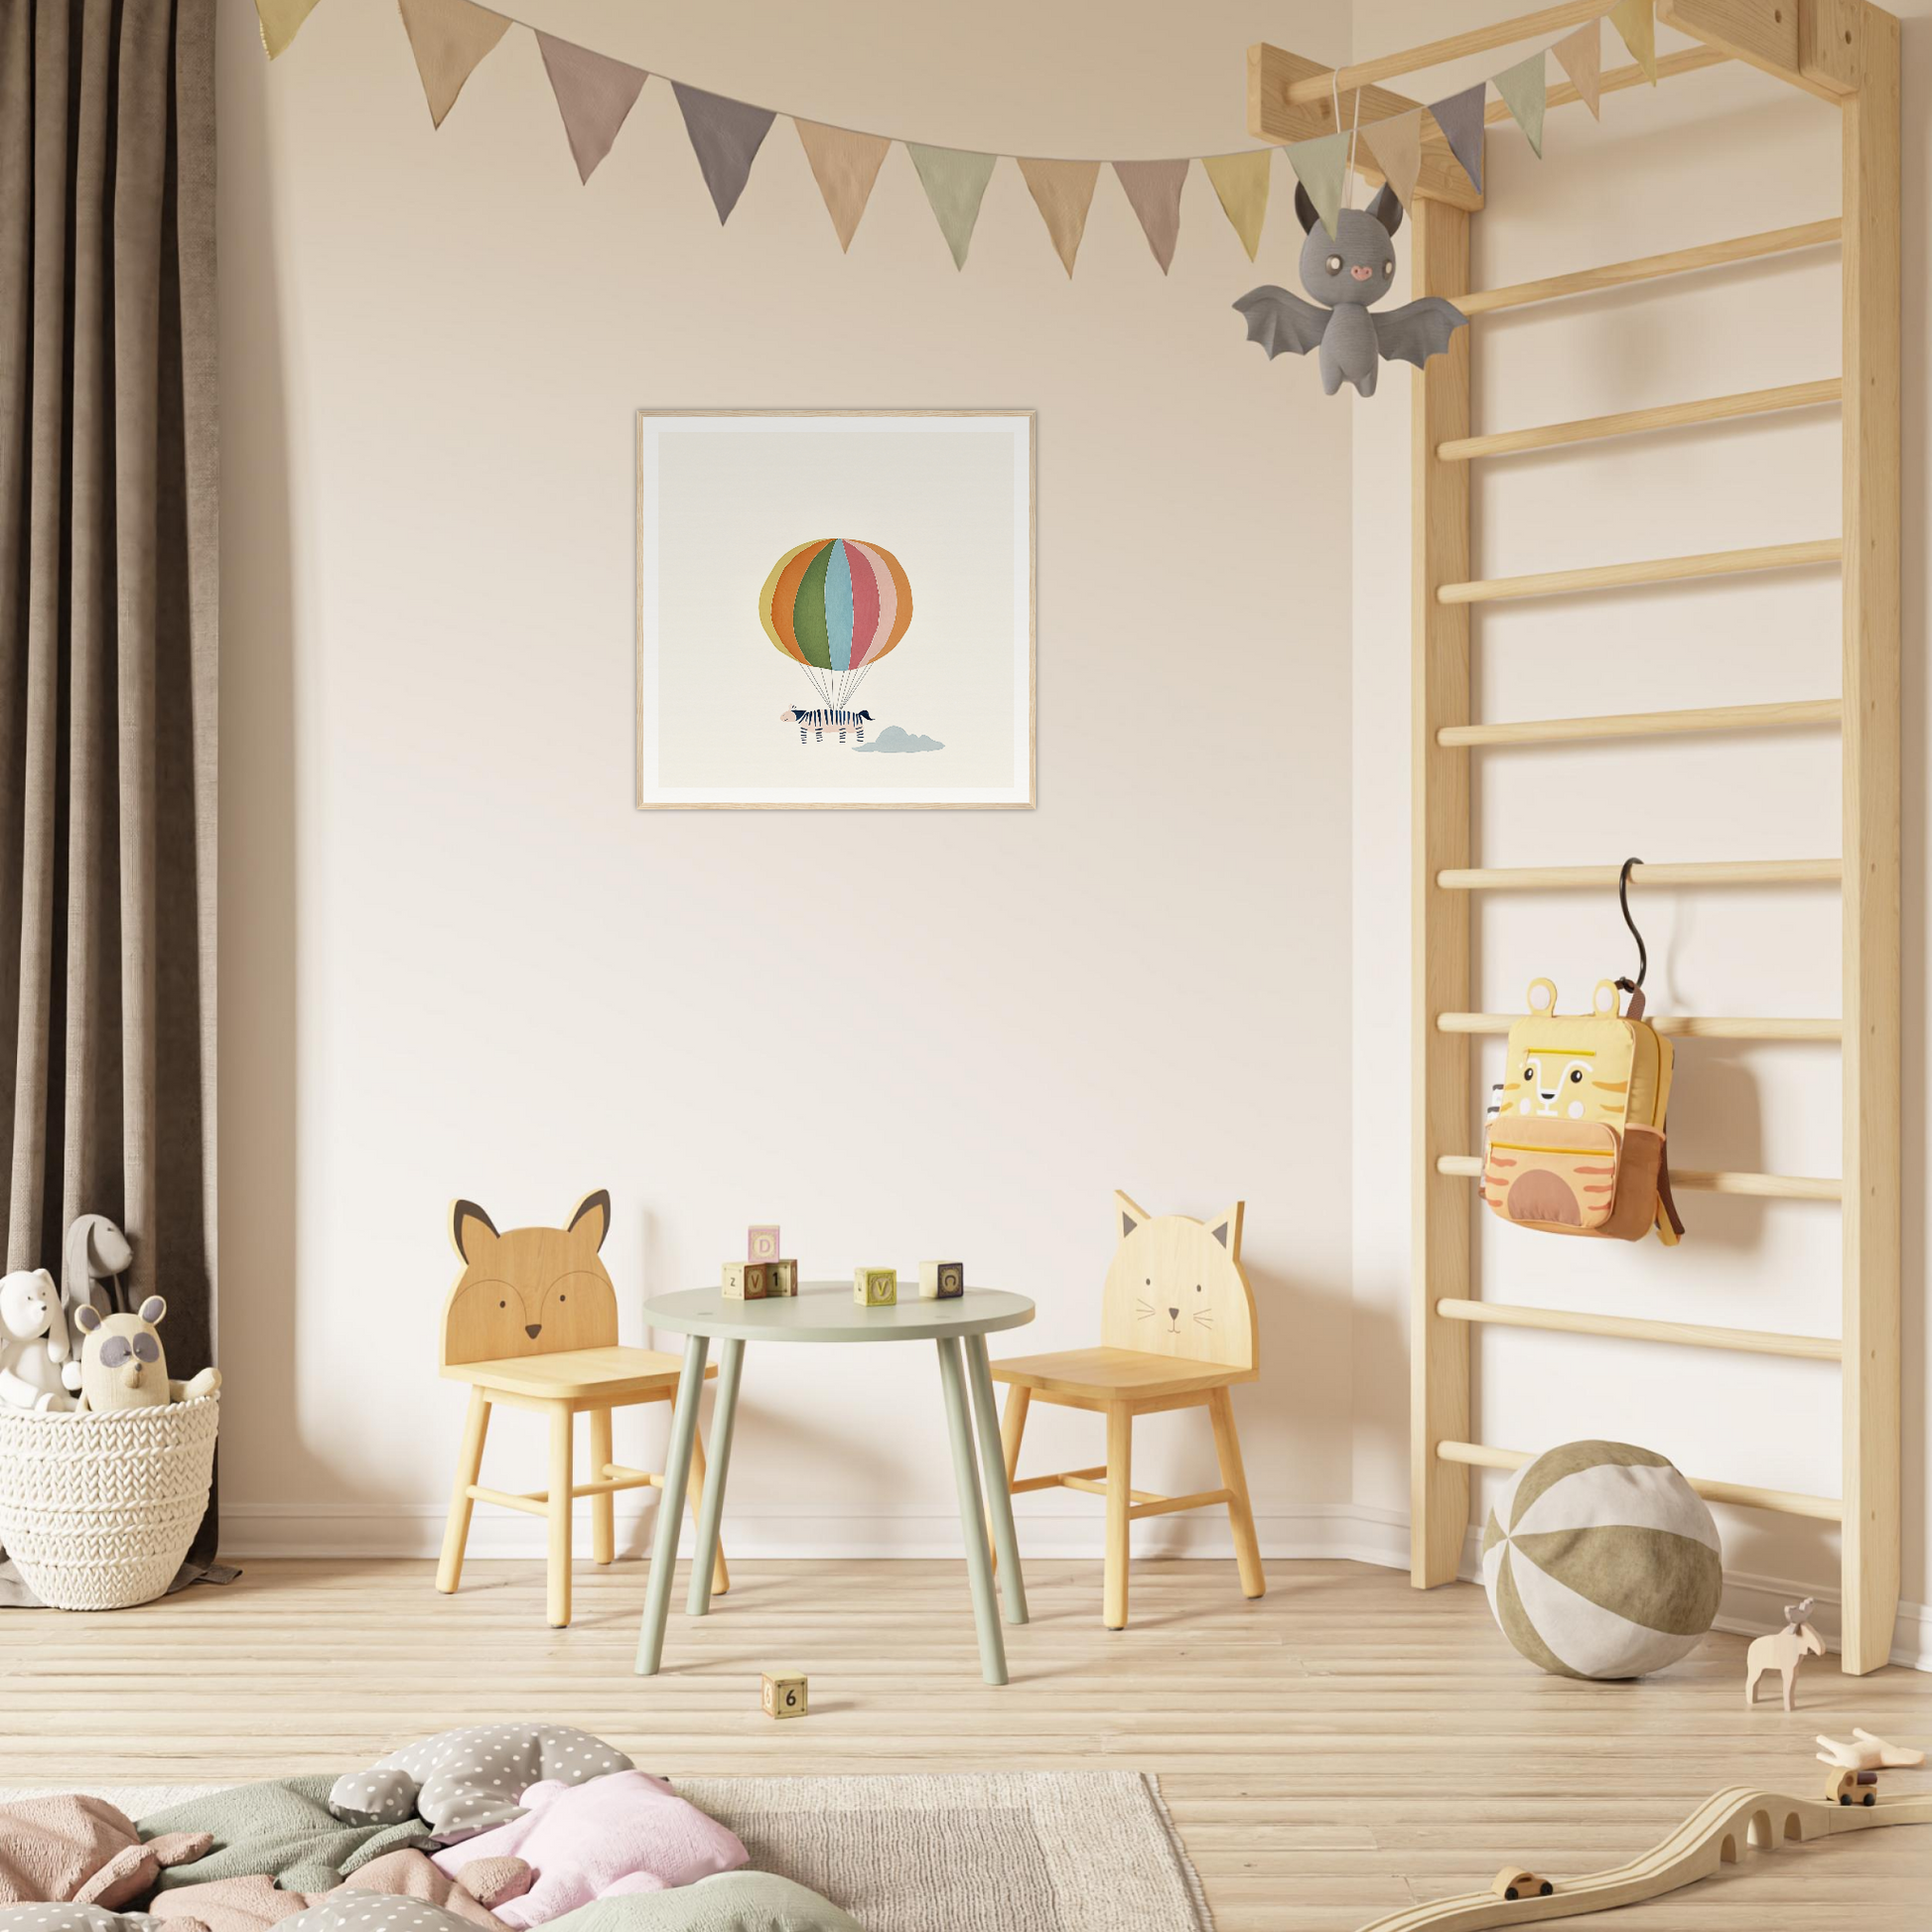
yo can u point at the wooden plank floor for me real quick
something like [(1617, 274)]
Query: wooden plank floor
[(1342, 1747)]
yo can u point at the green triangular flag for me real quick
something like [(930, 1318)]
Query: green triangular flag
[(1636, 25), (1522, 90), (955, 181), (1321, 167)]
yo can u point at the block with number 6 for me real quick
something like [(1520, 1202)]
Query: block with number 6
[(783, 1696)]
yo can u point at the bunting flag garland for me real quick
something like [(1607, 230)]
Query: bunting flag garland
[(1523, 92), (844, 164), (594, 94), (954, 180), (1396, 145), (448, 39), (1241, 181), (1581, 55), (1063, 192), (281, 21), (1153, 191), (1636, 26), (726, 136), (1461, 119), (1321, 167)]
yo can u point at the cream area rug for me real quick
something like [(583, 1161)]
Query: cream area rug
[(971, 1851)]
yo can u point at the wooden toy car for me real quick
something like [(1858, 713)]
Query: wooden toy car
[(1512, 1881), (1851, 1787)]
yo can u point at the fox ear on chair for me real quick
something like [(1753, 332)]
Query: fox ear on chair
[(592, 1217), (471, 1229)]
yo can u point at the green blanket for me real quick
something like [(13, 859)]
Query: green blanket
[(735, 1901), (282, 1828)]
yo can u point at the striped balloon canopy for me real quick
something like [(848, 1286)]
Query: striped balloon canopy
[(836, 605)]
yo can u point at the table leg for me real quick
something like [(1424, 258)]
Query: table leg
[(670, 1507), (979, 1564), (723, 1412), (993, 1465)]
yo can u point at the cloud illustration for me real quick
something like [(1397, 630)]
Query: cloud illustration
[(891, 739)]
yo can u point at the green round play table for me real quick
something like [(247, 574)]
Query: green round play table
[(825, 1312)]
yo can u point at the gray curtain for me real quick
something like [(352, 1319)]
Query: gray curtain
[(108, 589)]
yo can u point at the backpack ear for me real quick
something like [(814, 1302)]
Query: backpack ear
[(1226, 1229), (591, 1217), (1387, 207), (86, 1318), (1305, 209), (1128, 1215), (469, 1229), (152, 1310)]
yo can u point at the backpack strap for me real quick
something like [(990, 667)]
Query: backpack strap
[(1664, 1199)]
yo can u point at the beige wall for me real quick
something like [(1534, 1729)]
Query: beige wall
[(457, 961), (1716, 155)]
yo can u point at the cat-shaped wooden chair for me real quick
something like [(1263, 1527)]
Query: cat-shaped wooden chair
[(1177, 1330), (532, 1322)]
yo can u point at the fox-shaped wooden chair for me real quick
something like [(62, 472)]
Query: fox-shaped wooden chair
[(532, 1324), (1177, 1330)]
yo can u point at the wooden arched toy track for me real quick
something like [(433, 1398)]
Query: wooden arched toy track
[(1714, 1835)]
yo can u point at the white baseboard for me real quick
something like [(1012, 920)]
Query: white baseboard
[(1352, 1532)]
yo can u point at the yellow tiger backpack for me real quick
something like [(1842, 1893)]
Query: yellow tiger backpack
[(1574, 1142)]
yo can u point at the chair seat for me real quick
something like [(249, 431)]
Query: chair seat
[(574, 1375), (1115, 1374)]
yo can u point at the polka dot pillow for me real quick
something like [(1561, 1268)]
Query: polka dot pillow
[(363, 1911), (82, 1918)]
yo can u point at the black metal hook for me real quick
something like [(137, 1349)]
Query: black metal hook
[(1643, 952)]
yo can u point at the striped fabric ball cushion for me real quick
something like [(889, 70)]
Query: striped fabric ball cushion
[(1601, 1561)]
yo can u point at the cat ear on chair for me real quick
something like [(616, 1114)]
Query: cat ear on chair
[(1226, 1229), (1128, 1215), (591, 1217)]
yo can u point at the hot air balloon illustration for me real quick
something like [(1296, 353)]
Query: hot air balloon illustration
[(835, 607)]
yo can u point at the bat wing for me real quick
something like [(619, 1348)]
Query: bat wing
[(1418, 330), (1281, 321)]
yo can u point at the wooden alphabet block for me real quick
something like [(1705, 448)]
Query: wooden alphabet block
[(760, 1242), (941, 1281), (782, 1695), (781, 1278), (747, 1281), (874, 1288)]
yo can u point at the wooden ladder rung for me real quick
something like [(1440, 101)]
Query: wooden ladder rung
[(1790, 1502), (1636, 422), (1701, 871), (1650, 268), (1768, 1186), (1628, 1327), (1648, 724), (1648, 570), (1686, 1026)]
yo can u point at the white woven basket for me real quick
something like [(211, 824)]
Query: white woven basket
[(98, 1510)]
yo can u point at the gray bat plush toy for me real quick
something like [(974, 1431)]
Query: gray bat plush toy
[(1346, 272)]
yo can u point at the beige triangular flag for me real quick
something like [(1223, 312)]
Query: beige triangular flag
[(1524, 94), (1395, 144), (593, 94), (1154, 194), (1064, 190), (1637, 26), (281, 21), (844, 164), (1241, 181), (449, 38), (1321, 167), (1581, 55)]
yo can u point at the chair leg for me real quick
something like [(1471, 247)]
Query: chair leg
[(1234, 1480), (603, 1508), (469, 1466), (561, 1480), (721, 1577), (1120, 1495), (1012, 1426)]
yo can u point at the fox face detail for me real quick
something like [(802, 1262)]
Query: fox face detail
[(529, 1291)]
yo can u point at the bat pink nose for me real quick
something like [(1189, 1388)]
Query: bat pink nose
[(1361, 274)]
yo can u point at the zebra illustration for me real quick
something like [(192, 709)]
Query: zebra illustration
[(844, 721)]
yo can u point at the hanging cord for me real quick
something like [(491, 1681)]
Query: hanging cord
[(1643, 952), (1354, 134)]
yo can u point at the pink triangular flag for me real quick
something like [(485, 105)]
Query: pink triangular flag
[(1063, 192), (1154, 194), (449, 38), (1395, 144), (1581, 55), (593, 94), (845, 163)]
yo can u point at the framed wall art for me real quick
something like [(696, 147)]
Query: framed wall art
[(835, 608)]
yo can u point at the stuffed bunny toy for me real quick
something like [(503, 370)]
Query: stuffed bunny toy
[(34, 1348), (123, 1366), (95, 1250)]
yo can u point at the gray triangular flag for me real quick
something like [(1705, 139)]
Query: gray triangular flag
[(1321, 167), (725, 136), (593, 94), (1581, 55), (1461, 119), (1523, 92), (955, 181)]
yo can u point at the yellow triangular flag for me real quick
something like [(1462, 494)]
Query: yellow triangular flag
[(281, 21), (1063, 192), (1241, 181), (1637, 26), (449, 38), (845, 163), (1395, 144), (1523, 92), (1581, 56)]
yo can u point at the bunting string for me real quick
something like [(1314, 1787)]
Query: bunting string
[(595, 92)]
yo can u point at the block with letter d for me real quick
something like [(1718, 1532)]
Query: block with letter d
[(762, 1242), (941, 1281), (874, 1288)]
